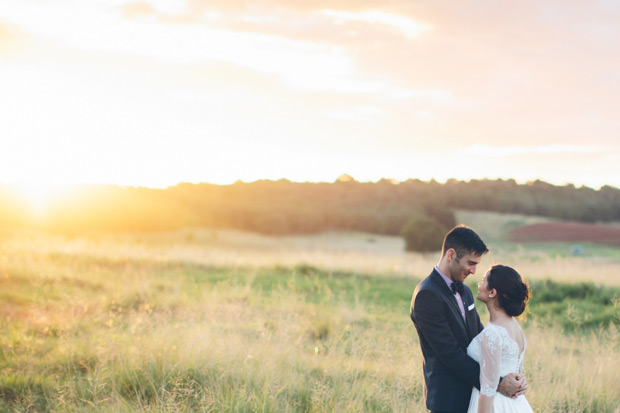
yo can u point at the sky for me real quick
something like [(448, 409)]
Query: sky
[(158, 92)]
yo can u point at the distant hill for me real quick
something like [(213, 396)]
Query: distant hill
[(285, 207), (567, 232)]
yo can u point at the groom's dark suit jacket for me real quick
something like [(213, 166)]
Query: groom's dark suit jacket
[(449, 373)]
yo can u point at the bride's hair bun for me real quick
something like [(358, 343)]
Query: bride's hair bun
[(512, 292)]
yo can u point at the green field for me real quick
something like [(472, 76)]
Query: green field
[(201, 320)]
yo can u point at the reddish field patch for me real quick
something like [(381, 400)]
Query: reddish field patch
[(567, 232)]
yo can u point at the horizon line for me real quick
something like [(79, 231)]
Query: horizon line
[(342, 178)]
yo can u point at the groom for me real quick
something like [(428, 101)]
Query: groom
[(444, 315)]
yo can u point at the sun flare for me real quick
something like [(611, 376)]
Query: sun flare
[(38, 196)]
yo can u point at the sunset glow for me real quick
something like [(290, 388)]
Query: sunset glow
[(158, 92), (38, 197)]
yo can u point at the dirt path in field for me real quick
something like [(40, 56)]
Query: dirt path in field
[(568, 232)]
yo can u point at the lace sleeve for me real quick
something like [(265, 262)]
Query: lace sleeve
[(490, 358)]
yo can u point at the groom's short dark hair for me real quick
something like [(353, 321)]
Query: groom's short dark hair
[(463, 240)]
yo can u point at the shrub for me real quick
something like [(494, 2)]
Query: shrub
[(422, 234)]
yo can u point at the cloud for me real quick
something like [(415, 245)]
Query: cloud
[(488, 151), (422, 94), (169, 6), (304, 65), (409, 27), (138, 9), (345, 34), (355, 114), (430, 75)]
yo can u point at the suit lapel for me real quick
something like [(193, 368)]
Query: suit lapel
[(472, 318), (465, 299), (451, 299)]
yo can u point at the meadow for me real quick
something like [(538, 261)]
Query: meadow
[(202, 320)]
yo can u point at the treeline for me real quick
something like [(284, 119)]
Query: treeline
[(284, 207)]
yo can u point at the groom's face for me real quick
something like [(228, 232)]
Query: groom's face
[(461, 268)]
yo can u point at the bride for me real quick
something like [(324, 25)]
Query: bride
[(500, 347)]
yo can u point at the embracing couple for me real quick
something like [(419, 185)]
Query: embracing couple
[(469, 367)]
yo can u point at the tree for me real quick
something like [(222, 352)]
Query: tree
[(423, 234)]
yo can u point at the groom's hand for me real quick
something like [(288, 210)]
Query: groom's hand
[(513, 385), (523, 387)]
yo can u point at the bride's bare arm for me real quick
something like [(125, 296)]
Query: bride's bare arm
[(485, 404)]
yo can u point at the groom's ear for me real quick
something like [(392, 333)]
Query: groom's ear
[(451, 254)]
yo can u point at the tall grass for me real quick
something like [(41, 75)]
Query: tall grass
[(366, 253), (128, 324)]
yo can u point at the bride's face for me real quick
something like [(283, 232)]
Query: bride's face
[(483, 288)]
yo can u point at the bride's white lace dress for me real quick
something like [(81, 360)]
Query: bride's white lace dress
[(498, 355)]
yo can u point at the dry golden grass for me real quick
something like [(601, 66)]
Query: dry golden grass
[(367, 253), (573, 373), (145, 323)]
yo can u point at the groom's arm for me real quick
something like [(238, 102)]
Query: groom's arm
[(429, 313)]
